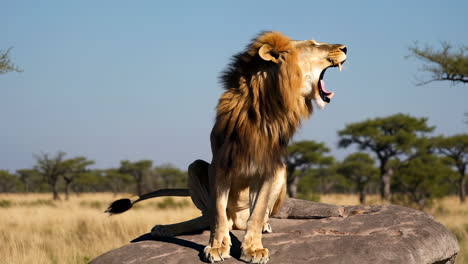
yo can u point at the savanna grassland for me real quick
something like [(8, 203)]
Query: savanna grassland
[(36, 229)]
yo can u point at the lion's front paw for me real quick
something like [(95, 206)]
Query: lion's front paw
[(266, 228), (162, 231), (216, 254), (259, 255)]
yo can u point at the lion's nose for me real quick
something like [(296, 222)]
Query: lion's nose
[(344, 49)]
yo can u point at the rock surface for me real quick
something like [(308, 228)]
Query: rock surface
[(308, 232)]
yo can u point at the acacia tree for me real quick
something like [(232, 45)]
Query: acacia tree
[(359, 169), (51, 168), (421, 179), (444, 65), (387, 138), (138, 170), (91, 180), (302, 156), (456, 149), (5, 62), (73, 168)]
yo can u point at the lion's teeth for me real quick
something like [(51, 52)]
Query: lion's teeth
[(339, 66)]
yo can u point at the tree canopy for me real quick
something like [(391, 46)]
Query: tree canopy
[(51, 168), (57, 167), (387, 137), (446, 64), (6, 65), (359, 169), (421, 179), (304, 155), (138, 170), (456, 149), (74, 167)]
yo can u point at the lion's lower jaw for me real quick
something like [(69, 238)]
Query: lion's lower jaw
[(319, 103)]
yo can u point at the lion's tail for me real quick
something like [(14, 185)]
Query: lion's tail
[(122, 205)]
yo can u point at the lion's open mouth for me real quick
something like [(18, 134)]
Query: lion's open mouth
[(324, 94)]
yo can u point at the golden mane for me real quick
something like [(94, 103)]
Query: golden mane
[(261, 108)]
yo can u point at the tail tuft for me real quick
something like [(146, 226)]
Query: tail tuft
[(119, 206)]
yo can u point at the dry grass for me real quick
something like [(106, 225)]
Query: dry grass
[(34, 229), (454, 215)]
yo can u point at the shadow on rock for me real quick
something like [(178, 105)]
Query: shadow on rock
[(235, 248)]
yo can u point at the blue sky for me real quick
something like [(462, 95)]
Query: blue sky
[(116, 80)]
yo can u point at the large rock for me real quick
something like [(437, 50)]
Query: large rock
[(308, 232)]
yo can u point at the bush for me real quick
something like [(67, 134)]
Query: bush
[(5, 203), (420, 180)]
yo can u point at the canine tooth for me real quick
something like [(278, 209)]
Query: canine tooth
[(339, 66)]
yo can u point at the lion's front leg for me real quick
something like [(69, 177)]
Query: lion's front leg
[(220, 241), (252, 247)]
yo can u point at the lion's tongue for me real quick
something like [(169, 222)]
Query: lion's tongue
[(327, 93)]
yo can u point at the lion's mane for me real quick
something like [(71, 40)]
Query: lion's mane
[(261, 108)]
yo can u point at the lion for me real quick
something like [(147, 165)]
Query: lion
[(269, 89)]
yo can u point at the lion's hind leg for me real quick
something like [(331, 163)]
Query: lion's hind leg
[(199, 192), (267, 228)]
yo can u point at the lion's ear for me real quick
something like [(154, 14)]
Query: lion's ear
[(267, 53)]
